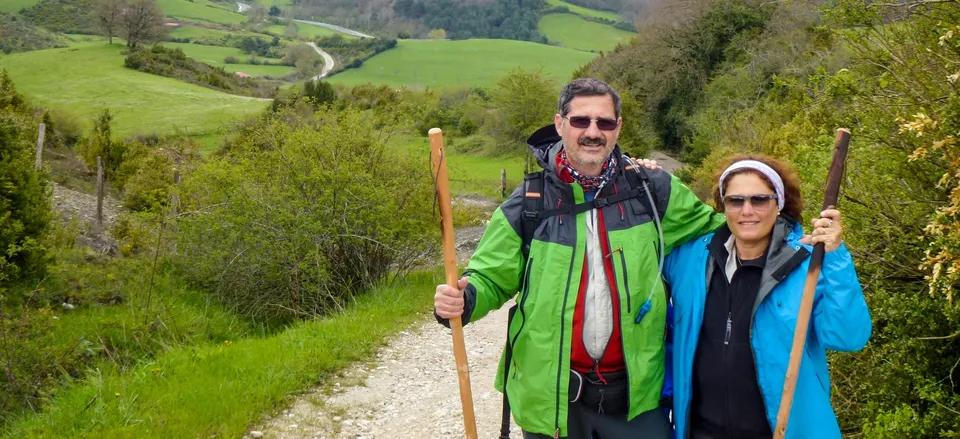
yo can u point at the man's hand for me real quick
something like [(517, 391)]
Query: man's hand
[(448, 301), (649, 164)]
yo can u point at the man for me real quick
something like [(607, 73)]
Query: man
[(587, 338)]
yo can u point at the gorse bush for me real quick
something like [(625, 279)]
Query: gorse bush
[(25, 211), (301, 214)]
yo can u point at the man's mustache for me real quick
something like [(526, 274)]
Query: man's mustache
[(592, 141)]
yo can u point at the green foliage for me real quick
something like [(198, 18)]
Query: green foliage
[(678, 63), (175, 64), (67, 16), (504, 19), (304, 212), (21, 36), (524, 101), (24, 191)]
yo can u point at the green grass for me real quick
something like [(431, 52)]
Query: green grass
[(186, 31), (575, 32), (422, 63), (90, 76), (469, 173), (218, 390), (201, 11), (14, 6), (607, 15), (307, 31), (215, 55)]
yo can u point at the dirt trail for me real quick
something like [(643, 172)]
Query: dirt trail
[(411, 390)]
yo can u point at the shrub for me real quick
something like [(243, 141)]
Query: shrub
[(303, 213)]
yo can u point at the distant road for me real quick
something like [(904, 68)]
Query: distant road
[(336, 28), (327, 61), (242, 7)]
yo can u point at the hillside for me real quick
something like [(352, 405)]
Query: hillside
[(17, 35), (574, 32), (88, 77), (420, 63)]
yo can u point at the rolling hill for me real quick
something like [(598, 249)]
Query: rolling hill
[(574, 32), (423, 63), (88, 77)]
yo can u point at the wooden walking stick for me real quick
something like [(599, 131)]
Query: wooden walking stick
[(438, 158), (813, 273)]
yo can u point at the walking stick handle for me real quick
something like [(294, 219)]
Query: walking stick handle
[(810, 287), (438, 158)]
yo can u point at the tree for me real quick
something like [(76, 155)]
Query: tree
[(257, 13), (142, 21), (437, 34), (291, 31), (524, 101), (303, 57), (274, 11), (107, 14)]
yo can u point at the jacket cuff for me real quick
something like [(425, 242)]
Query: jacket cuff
[(469, 304), (841, 254)]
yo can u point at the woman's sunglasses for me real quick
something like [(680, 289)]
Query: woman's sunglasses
[(603, 123), (759, 201)]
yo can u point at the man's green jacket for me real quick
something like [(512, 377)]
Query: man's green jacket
[(540, 332)]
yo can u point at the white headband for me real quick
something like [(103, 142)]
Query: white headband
[(761, 168)]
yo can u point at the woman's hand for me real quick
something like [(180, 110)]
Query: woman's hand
[(826, 229)]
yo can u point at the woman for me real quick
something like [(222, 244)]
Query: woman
[(736, 295)]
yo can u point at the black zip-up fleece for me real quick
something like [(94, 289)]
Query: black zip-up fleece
[(726, 395)]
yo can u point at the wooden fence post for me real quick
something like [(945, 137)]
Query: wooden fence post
[(43, 129), (175, 199), (503, 182), (99, 194)]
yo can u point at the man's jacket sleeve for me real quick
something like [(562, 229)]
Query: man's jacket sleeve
[(841, 319), (685, 217), (495, 269)]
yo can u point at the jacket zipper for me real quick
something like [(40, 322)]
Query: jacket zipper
[(563, 322), (626, 285), (523, 315)]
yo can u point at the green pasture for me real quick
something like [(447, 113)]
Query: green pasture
[(14, 6), (89, 77), (215, 55), (607, 15), (424, 63), (307, 31), (574, 32), (186, 31), (201, 10)]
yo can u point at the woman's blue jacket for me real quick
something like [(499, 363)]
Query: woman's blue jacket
[(840, 321)]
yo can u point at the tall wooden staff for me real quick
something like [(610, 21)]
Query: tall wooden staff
[(438, 157), (813, 273)]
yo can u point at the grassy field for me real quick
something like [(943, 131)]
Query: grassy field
[(90, 76), (422, 63), (215, 55), (16, 5), (308, 31), (200, 11), (202, 32), (574, 32), (607, 15), (217, 390)]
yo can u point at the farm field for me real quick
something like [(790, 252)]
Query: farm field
[(88, 77), (607, 15), (201, 11), (576, 33), (424, 63), (215, 55), (307, 31), (13, 6)]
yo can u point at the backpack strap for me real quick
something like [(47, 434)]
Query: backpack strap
[(532, 208)]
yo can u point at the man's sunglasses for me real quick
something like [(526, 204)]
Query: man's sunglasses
[(603, 123), (759, 202)]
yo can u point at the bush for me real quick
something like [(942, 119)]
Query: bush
[(24, 191), (303, 213)]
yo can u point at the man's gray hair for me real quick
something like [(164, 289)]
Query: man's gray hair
[(586, 87)]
